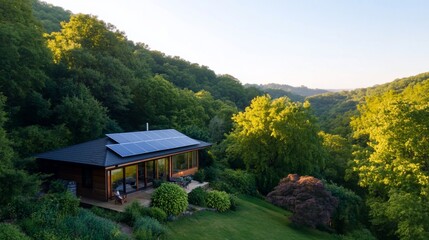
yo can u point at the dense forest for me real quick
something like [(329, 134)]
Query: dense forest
[(67, 78)]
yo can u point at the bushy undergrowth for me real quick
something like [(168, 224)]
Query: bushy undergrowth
[(58, 216), (236, 182), (197, 197), (347, 214), (171, 198), (362, 234), (148, 228), (234, 202), (218, 200), (135, 211), (11, 232), (84, 225), (199, 176)]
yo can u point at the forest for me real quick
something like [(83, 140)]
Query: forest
[(68, 78)]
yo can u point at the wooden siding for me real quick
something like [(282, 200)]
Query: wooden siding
[(74, 172)]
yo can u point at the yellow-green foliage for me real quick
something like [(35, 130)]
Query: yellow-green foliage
[(394, 163), (171, 198), (276, 137), (218, 200)]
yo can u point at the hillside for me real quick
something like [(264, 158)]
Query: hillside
[(334, 109)]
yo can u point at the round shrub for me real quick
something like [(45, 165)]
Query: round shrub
[(218, 200), (171, 198), (197, 197)]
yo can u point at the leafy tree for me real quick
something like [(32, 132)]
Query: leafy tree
[(24, 58), (307, 198), (83, 115), (274, 137), (393, 161), (35, 139), (97, 56), (339, 154), (49, 15)]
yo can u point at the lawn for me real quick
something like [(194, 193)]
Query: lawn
[(254, 219)]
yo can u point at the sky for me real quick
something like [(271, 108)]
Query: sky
[(319, 44)]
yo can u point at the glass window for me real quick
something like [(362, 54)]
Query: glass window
[(162, 165), (141, 183), (194, 159), (180, 163), (130, 178), (117, 180), (184, 161)]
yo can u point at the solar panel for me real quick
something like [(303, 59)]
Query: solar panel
[(136, 143)]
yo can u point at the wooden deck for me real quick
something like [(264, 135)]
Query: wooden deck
[(143, 197)]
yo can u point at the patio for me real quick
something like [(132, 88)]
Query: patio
[(143, 197)]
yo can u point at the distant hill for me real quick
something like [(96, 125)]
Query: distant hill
[(334, 109), (294, 93), (302, 90)]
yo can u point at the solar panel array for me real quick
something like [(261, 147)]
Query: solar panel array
[(136, 143)]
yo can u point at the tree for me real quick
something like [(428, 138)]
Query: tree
[(98, 56), (275, 137), (339, 154), (24, 59), (393, 160), (83, 115), (306, 197)]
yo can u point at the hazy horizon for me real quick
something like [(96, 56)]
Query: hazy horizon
[(326, 45)]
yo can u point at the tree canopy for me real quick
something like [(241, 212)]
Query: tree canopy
[(393, 161), (276, 137)]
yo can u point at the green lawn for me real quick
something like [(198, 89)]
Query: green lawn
[(254, 219)]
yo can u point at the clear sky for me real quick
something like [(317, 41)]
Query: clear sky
[(319, 44)]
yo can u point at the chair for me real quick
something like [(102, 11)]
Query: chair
[(120, 198)]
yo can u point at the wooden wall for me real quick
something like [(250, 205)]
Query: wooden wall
[(74, 172)]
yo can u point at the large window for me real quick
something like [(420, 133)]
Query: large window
[(184, 161), (117, 180)]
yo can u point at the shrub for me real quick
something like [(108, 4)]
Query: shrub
[(221, 186), (132, 213), (158, 182), (135, 211), (346, 216), (199, 176), (233, 201), (11, 232), (87, 224), (306, 197), (171, 198), (58, 186), (154, 212), (211, 173), (218, 200), (148, 228), (362, 234), (197, 197), (240, 181)]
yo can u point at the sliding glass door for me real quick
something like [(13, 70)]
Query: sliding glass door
[(139, 176)]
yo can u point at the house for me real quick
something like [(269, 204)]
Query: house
[(125, 162)]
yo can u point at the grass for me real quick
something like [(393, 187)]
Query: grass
[(254, 219)]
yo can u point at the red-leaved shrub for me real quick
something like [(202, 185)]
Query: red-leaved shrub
[(306, 197)]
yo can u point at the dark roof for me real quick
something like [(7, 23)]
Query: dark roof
[(96, 153)]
